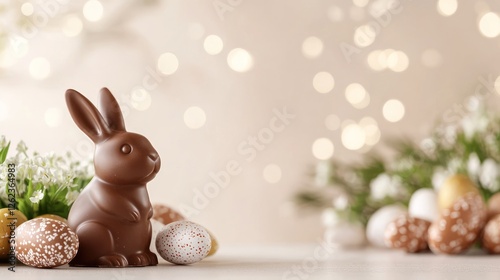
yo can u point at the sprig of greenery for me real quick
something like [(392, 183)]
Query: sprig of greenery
[(470, 146), (45, 184)]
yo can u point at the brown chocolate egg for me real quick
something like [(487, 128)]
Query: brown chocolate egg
[(9, 221), (407, 233), (458, 226), (491, 235), (45, 243), (54, 217), (494, 205), (166, 215)]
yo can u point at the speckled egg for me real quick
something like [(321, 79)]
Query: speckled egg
[(183, 242), (45, 243), (54, 217), (166, 215)]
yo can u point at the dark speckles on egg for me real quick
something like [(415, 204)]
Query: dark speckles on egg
[(183, 242)]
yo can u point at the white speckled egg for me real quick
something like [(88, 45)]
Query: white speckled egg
[(45, 243), (183, 242), (379, 221), (424, 205)]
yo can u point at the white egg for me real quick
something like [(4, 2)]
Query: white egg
[(380, 220), (156, 227), (183, 242), (424, 205), (345, 234)]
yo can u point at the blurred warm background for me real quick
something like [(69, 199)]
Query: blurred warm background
[(262, 88)]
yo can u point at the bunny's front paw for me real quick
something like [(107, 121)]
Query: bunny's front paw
[(133, 217), (143, 259), (115, 260)]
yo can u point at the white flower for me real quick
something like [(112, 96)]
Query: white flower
[(440, 175), (71, 196), (454, 165), (489, 175), (37, 196), (21, 147), (473, 165), (330, 217), (475, 123), (386, 186)]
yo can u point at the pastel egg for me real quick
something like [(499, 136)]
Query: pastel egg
[(166, 215), (45, 243), (424, 205), (9, 221), (379, 221), (183, 242)]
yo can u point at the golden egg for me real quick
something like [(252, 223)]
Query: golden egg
[(215, 245), (454, 188), (9, 221)]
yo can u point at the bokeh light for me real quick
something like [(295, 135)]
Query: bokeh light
[(72, 26), (393, 110), (27, 9), (39, 68), (353, 137), (194, 117), (168, 63), (447, 7), (398, 61), (489, 25), (93, 10), (322, 148), (355, 93), (360, 3), (213, 44), (312, 47), (240, 60), (323, 82), (272, 173)]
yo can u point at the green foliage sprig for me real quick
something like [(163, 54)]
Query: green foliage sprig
[(469, 146), (44, 184)]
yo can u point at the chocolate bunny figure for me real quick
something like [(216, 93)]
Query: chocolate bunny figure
[(112, 214)]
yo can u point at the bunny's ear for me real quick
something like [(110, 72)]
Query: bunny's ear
[(111, 110), (86, 116)]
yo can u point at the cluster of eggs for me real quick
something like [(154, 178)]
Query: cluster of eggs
[(449, 221), (47, 241)]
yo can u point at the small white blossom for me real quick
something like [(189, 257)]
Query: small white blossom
[(473, 165), (386, 186), (37, 196), (21, 147), (489, 175), (71, 196), (474, 123)]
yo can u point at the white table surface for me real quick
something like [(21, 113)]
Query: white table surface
[(287, 263)]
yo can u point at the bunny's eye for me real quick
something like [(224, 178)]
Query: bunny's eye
[(126, 149)]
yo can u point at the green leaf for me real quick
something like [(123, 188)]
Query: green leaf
[(3, 153)]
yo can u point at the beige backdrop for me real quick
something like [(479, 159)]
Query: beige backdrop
[(446, 57)]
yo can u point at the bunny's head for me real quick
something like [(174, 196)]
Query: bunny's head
[(121, 157)]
